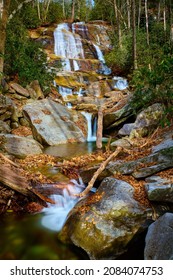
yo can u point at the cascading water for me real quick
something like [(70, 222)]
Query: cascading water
[(120, 83), (55, 214), (68, 46), (91, 125), (104, 68)]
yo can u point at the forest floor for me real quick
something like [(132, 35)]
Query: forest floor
[(29, 170)]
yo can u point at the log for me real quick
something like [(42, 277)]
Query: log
[(99, 128), (99, 171), (18, 183)]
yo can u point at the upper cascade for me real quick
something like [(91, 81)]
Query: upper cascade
[(74, 44)]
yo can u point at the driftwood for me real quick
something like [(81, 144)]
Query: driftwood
[(18, 183), (99, 171), (99, 128)]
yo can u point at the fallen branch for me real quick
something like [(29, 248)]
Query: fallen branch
[(99, 171), (8, 160)]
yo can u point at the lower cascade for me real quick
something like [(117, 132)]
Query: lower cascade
[(91, 125), (55, 214)]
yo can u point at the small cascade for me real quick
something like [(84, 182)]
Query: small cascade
[(91, 125), (55, 214), (120, 83), (64, 91), (105, 70)]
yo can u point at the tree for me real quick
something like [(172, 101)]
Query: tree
[(5, 5), (4, 18), (134, 34)]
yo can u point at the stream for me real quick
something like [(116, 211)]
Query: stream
[(29, 237)]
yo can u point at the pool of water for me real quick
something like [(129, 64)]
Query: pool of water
[(70, 150), (24, 238)]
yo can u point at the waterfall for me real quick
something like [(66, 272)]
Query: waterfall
[(91, 125), (120, 83), (104, 68), (55, 214), (68, 46), (64, 91)]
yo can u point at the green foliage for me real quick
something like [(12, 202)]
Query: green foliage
[(102, 11), (153, 86), (28, 15), (120, 58), (55, 13), (24, 57)]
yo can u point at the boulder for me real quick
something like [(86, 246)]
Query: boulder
[(6, 107), (147, 121), (19, 146), (114, 119), (4, 127), (36, 90), (159, 239), (126, 129), (54, 124), (121, 143), (159, 189), (19, 89), (103, 224)]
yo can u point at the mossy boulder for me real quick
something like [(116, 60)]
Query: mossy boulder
[(104, 223)]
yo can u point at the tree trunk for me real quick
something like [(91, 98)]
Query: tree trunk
[(3, 25), (118, 24), (146, 17), (99, 128), (139, 14), (73, 10), (134, 35), (128, 14)]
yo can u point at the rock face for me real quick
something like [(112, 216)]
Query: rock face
[(52, 123), (159, 239), (19, 146), (104, 223)]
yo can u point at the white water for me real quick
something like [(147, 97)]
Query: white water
[(68, 46), (120, 83), (92, 126), (55, 215), (105, 69), (64, 91)]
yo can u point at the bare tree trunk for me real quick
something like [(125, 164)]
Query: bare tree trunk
[(128, 14), (3, 25), (139, 14), (146, 17), (73, 10), (99, 128), (158, 14), (38, 9), (118, 24), (135, 66), (63, 8), (164, 17)]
